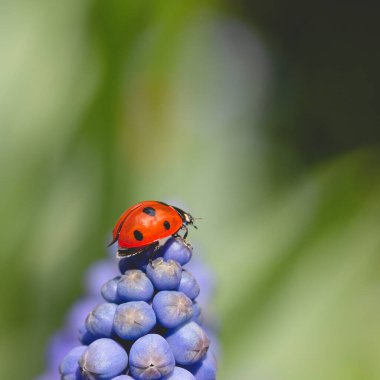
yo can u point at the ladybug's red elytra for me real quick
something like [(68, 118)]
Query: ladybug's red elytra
[(142, 226)]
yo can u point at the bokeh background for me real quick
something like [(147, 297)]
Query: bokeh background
[(260, 117)]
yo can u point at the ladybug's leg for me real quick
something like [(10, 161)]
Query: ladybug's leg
[(177, 235), (186, 231)]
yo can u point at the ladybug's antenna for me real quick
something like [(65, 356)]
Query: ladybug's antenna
[(194, 224)]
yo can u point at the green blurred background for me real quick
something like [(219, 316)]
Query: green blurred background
[(261, 117)]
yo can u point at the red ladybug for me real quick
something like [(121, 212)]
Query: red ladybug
[(144, 224)]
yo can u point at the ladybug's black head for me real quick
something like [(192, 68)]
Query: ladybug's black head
[(186, 217)]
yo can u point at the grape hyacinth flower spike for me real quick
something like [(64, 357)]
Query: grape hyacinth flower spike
[(148, 324)]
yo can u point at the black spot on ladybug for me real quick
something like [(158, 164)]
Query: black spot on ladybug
[(167, 225), (138, 235), (149, 211)]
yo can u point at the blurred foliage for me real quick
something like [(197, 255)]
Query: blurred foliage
[(106, 104), (308, 302), (327, 73)]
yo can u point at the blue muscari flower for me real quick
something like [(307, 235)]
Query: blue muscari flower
[(176, 250), (133, 320), (134, 285), (172, 308), (189, 343), (206, 368), (189, 285), (99, 323), (151, 358), (69, 368), (109, 290), (103, 359), (152, 315), (165, 275)]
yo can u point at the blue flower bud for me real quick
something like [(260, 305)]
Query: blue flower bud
[(69, 368), (100, 321), (123, 377), (180, 374), (178, 250), (109, 290), (172, 308), (104, 359), (135, 285), (165, 275), (189, 285), (189, 343), (151, 358), (133, 319), (205, 369)]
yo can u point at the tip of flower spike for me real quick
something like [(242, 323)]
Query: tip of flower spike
[(165, 275), (178, 250), (151, 313), (134, 285)]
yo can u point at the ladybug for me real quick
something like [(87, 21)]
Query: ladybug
[(142, 226)]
